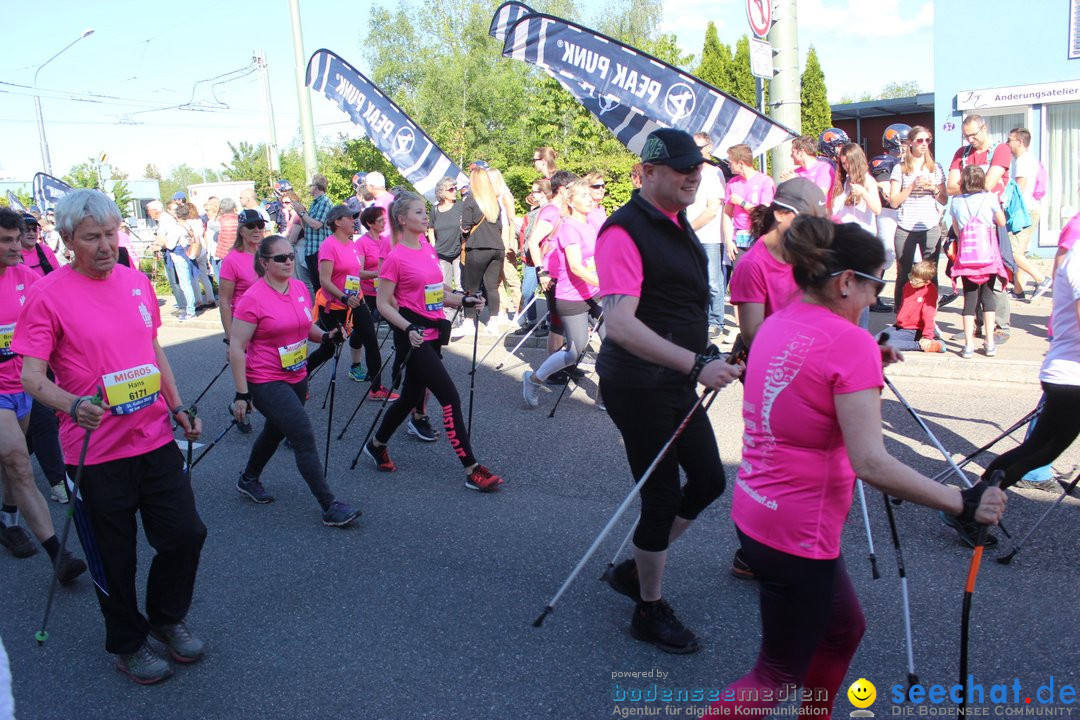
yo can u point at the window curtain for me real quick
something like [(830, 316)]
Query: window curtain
[(1060, 156)]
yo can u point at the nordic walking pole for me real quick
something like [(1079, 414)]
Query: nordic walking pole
[(522, 341), (382, 408), (498, 343), (912, 678), (363, 397), (625, 542), (332, 387), (866, 523), (472, 373), (937, 443), (330, 417), (1030, 417), (570, 372), (223, 369), (210, 447), (192, 412), (711, 394), (42, 635), (1068, 486), (969, 591)]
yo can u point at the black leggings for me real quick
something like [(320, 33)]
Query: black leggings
[(424, 371), (483, 266), (363, 333), (1058, 425), (647, 418), (974, 294)]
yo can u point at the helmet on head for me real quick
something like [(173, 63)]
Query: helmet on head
[(894, 137), (881, 166), (830, 141), (282, 186), (359, 179)]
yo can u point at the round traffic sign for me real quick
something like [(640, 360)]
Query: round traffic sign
[(759, 13)]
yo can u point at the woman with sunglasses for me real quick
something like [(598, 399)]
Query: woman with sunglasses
[(411, 296), (238, 267), (812, 409), (341, 263), (597, 190), (444, 232), (917, 191), (268, 348)]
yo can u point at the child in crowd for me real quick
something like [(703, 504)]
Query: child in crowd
[(914, 328)]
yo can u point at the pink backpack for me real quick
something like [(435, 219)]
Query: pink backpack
[(1038, 190), (976, 246)]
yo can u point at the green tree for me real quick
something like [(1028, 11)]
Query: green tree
[(716, 61), (122, 196), (180, 178), (151, 172), (743, 84), (816, 113), (84, 175), (907, 88), (249, 162)]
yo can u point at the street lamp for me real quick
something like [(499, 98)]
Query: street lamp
[(37, 102)]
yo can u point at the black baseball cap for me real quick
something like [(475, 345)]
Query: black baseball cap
[(250, 216), (801, 196), (340, 211), (671, 147)]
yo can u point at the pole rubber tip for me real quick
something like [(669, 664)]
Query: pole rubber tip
[(41, 636), (543, 616)]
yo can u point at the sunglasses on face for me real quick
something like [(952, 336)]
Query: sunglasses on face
[(282, 258), (880, 282), (598, 186), (922, 141), (257, 224)]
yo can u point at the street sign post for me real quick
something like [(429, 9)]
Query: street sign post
[(761, 59), (759, 14)]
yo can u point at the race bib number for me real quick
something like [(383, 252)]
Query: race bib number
[(6, 333), (743, 239), (433, 296), (131, 390), (375, 283), (294, 356), (352, 284)]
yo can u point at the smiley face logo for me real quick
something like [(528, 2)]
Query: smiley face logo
[(862, 693)]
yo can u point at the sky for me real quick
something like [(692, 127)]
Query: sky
[(119, 90)]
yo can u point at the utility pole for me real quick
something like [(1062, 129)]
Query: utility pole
[(272, 147), (784, 89), (307, 126)]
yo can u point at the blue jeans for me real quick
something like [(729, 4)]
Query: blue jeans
[(715, 253), (529, 283), (183, 268)]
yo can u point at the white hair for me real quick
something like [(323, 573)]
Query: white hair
[(155, 205), (375, 179)]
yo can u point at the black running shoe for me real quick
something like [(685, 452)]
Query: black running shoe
[(968, 531), (655, 622), (623, 578), (254, 489), (740, 568), (69, 567), (380, 456), (17, 541), (421, 428)]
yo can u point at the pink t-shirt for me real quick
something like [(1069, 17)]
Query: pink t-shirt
[(384, 201), (1069, 233), (821, 173), (596, 218), (759, 190), (239, 268), (418, 281), (761, 278), (278, 350), (569, 286), (124, 241), (345, 258), (794, 484), (14, 285), (114, 352), (618, 262), (33, 262), (369, 248)]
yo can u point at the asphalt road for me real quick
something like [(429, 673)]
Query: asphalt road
[(424, 608)]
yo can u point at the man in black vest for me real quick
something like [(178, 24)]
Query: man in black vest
[(655, 293)]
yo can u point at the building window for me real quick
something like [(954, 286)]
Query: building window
[(1060, 156), (1074, 29)]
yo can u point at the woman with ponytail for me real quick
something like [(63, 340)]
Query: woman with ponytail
[(812, 408)]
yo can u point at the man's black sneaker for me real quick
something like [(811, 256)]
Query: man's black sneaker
[(968, 531), (623, 578), (740, 568), (254, 489), (17, 541), (524, 329), (655, 622), (946, 299), (69, 567), (183, 646), (541, 332), (880, 307), (559, 377), (421, 428), (144, 666)]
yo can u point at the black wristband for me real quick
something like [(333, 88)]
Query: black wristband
[(225, 340), (246, 397), (971, 497), (700, 361), (416, 329)]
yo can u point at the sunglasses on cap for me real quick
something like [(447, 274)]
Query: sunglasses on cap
[(257, 224), (282, 258)]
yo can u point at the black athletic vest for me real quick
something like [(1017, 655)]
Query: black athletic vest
[(674, 294)]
